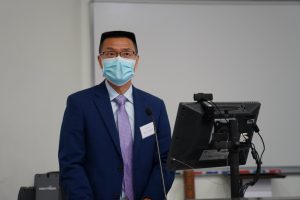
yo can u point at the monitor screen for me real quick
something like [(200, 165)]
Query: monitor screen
[(199, 140)]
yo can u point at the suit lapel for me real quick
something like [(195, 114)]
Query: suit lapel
[(103, 105), (140, 119)]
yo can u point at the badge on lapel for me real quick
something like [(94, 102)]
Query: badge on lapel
[(147, 130)]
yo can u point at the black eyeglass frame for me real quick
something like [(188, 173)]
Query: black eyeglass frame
[(121, 53)]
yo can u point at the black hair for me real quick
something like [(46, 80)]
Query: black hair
[(118, 34)]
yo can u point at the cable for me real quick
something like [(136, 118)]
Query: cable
[(183, 163), (219, 110), (160, 165), (227, 122), (258, 159), (148, 111), (263, 143), (255, 155)]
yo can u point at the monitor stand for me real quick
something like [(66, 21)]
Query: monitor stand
[(234, 158), (233, 146)]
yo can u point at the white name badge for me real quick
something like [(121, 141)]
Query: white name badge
[(147, 130)]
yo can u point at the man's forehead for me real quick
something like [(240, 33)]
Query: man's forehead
[(116, 43)]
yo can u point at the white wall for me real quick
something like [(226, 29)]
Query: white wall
[(239, 51), (44, 56)]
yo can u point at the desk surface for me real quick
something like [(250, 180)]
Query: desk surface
[(262, 176)]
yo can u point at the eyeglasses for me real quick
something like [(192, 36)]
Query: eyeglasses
[(113, 54)]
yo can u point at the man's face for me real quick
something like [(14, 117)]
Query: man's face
[(118, 45)]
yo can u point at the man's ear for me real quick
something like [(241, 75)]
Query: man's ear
[(100, 61)]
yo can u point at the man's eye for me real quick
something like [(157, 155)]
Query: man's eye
[(127, 54), (111, 54)]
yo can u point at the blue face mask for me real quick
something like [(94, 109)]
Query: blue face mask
[(118, 70)]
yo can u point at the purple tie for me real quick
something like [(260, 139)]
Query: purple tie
[(126, 142)]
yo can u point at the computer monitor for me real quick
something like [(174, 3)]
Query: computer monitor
[(199, 138)]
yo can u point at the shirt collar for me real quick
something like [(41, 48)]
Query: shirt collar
[(113, 94)]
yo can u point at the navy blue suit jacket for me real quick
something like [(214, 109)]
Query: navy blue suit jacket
[(91, 166)]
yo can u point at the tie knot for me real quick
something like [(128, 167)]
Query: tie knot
[(120, 100)]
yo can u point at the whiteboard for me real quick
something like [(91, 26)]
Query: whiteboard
[(237, 51)]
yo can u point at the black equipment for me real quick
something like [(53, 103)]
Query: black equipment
[(26, 193), (46, 187), (213, 134)]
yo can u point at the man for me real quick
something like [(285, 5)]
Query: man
[(107, 144)]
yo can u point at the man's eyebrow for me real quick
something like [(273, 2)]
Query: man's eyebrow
[(110, 48), (127, 49)]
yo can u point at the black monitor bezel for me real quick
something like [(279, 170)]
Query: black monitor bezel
[(242, 111)]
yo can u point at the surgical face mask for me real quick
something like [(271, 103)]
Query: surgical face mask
[(118, 70)]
